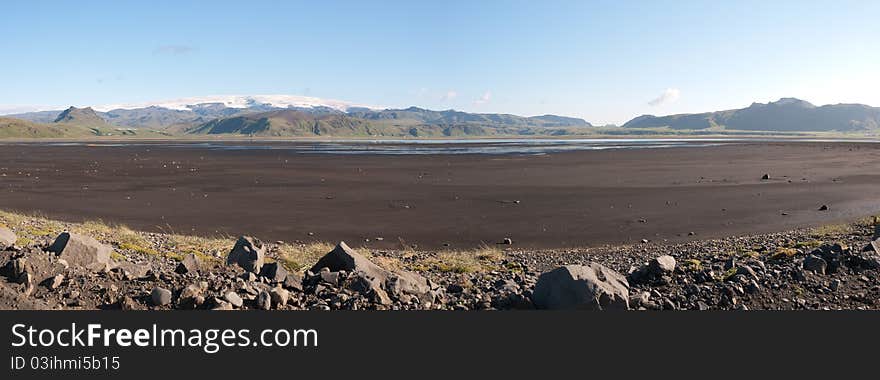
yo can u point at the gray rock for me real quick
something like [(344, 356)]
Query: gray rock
[(293, 281), (589, 287), (127, 303), (746, 271), (397, 284), (662, 264), (639, 299), (27, 280), (279, 296), (160, 296), (7, 238), (264, 301), (835, 284), (192, 296), (54, 282), (371, 287), (221, 305), (81, 250), (233, 298), (274, 272), (248, 253), (402, 283), (329, 277), (15, 268), (815, 264), (133, 270), (189, 264), (344, 258)]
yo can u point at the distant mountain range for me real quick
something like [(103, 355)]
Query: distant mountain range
[(70, 123), (299, 116), (413, 122), (784, 115), (280, 116)]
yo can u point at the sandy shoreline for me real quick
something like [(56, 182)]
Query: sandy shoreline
[(585, 198)]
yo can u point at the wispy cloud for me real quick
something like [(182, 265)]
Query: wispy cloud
[(485, 98), (6, 109), (671, 95), (174, 50), (449, 95)]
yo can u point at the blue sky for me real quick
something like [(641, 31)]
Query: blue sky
[(604, 61)]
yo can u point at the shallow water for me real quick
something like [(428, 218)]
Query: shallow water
[(423, 147)]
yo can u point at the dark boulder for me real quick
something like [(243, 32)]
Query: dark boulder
[(248, 253)]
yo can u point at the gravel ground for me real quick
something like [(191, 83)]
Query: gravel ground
[(827, 268)]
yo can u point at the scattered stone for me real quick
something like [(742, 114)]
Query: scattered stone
[(274, 272), (160, 296), (190, 264), (264, 301), (81, 250), (27, 281), (815, 264), (507, 241), (765, 177), (279, 297), (823, 208), (7, 238), (192, 296), (127, 303), (342, 257), (293, 281), (233, 298), (662, 264), (134, 271), (54, 282), (248, 253), (590, 287), (222, 305), (747, 271)]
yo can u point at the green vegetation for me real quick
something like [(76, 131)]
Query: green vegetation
[(484, 258)]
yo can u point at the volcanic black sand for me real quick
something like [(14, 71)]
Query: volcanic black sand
[(556, 200)]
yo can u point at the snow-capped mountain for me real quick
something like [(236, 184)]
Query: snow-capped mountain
[(240, 101), (184, 112)]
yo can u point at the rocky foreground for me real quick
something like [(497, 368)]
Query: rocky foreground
[(831, 268)]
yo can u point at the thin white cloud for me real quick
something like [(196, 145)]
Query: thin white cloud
[(449, 95), (671, 95), (485, 98), (174, 50), (9, 109)]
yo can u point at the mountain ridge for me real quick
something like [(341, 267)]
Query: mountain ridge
[(783, 115)]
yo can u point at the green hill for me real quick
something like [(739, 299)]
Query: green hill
[(71, 123), (412, 122), (16, 128)]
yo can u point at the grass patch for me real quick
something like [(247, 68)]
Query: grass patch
[(831, 230), (299, 257), (750, 254), (729, 274), (484, 258), (693, 265), (205, 248), (811, 244), (783, 253)]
